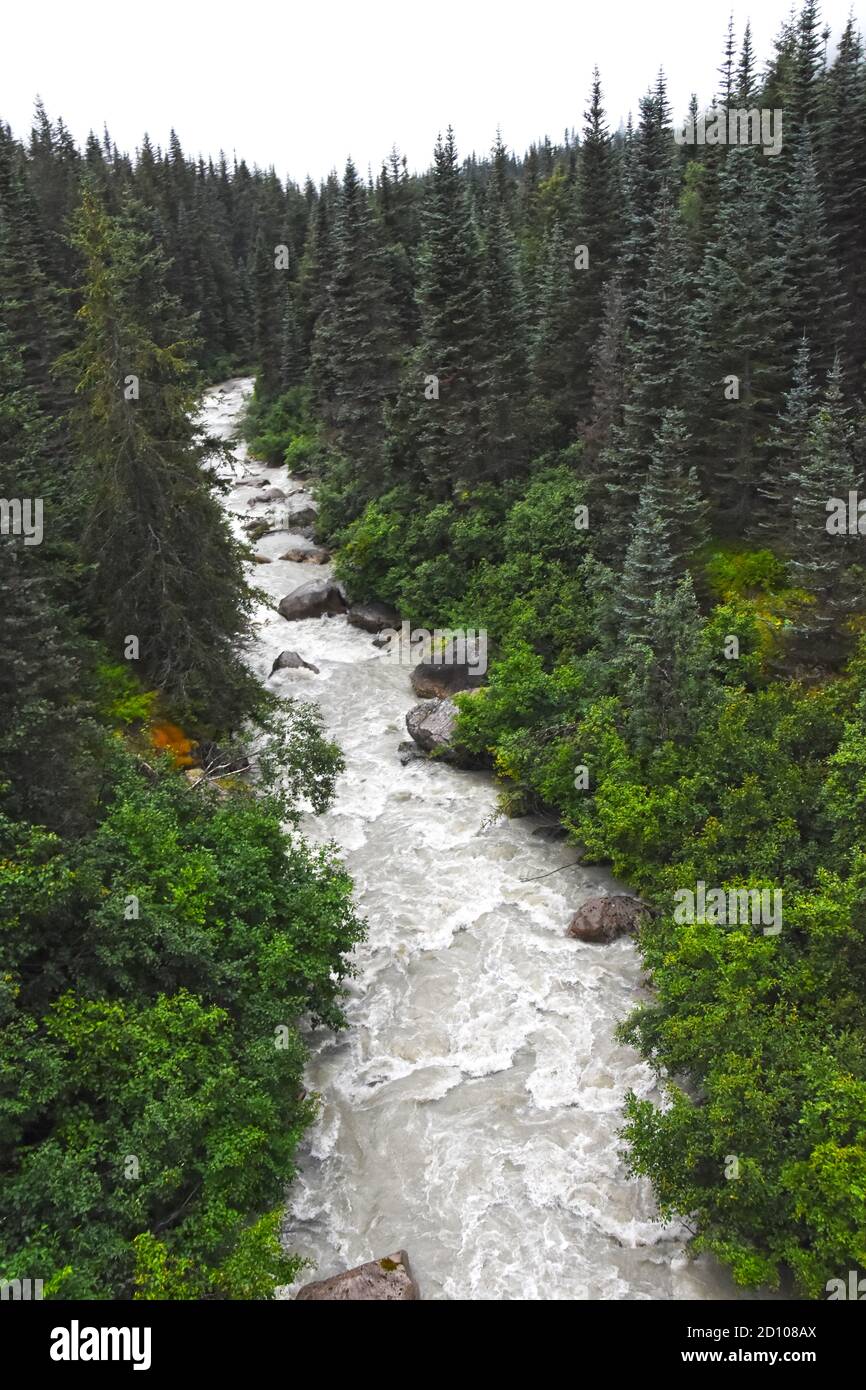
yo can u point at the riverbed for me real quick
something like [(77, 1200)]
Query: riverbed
[(470, 1109)]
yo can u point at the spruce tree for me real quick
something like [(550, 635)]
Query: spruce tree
[(673, 492), (448, 364), (505, 376), (813, 298), (789, 439), (740, 344), (355, 354), (167, 579), (822, 549)]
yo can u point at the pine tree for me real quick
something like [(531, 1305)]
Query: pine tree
[(789, 440), (813, 297), (450, 356), (165, 570), (740, 344), (598, 226), (356, 347), (746, 87), (650, 175), (821, 548), (667, 687), (657, 366), (648, 568), (504, 379), (673, 493), (292, 362), (841, 157), (554, 362)]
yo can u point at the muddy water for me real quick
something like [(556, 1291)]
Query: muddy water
[(471, 1107)]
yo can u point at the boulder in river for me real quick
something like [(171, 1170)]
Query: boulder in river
[(271, 494), (601, 920), (301, 511), (436, 680), (387, 1280), (313, 599), (431, 725), (291, 661), (373, 616), (307, 555)]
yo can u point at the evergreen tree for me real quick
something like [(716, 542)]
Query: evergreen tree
[(356, 348), (740, 338), (789, 439), (673, 493), (504, 378), (648, 568), (821, 548), (813, 295), (450, 356), (657, 367), (598, 225), (165, 570)]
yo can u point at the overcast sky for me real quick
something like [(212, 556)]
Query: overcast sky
[(301, 86)]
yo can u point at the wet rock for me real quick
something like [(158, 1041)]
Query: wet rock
[(387, 1280), (602, 920), (301, 511), (262, 560), (436, 680), (373, 616), (431, 725), (271, 494), (256, 530), (291, 661), (550, 832), (307, 555), (313, 599), (408, 752)]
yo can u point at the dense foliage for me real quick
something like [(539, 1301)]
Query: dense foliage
[(594, 399), (165, 930)]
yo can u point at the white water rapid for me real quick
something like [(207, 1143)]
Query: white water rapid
[(470, 1109)]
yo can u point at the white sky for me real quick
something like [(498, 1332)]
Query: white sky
[(301, 86)]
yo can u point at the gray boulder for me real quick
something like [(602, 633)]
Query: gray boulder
[(290, 661), (271, 494), (373, 616), (307, 555), (301, 511), (312, 600), (431, 724), (388, 1280), (601, 920), (436, 680)]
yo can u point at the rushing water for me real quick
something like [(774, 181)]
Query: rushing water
[(471, 1107)]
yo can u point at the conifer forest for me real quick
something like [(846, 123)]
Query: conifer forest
[(433, 705)]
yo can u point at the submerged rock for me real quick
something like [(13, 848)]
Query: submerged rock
[(387, 1280), (291, 661), (432, 723), (307, 555), (373, 616), (271, 494), (313, 599), (602, 920)]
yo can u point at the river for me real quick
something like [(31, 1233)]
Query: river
[(471, 1107)]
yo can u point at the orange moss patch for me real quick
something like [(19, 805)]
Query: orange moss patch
[(168, 738)]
